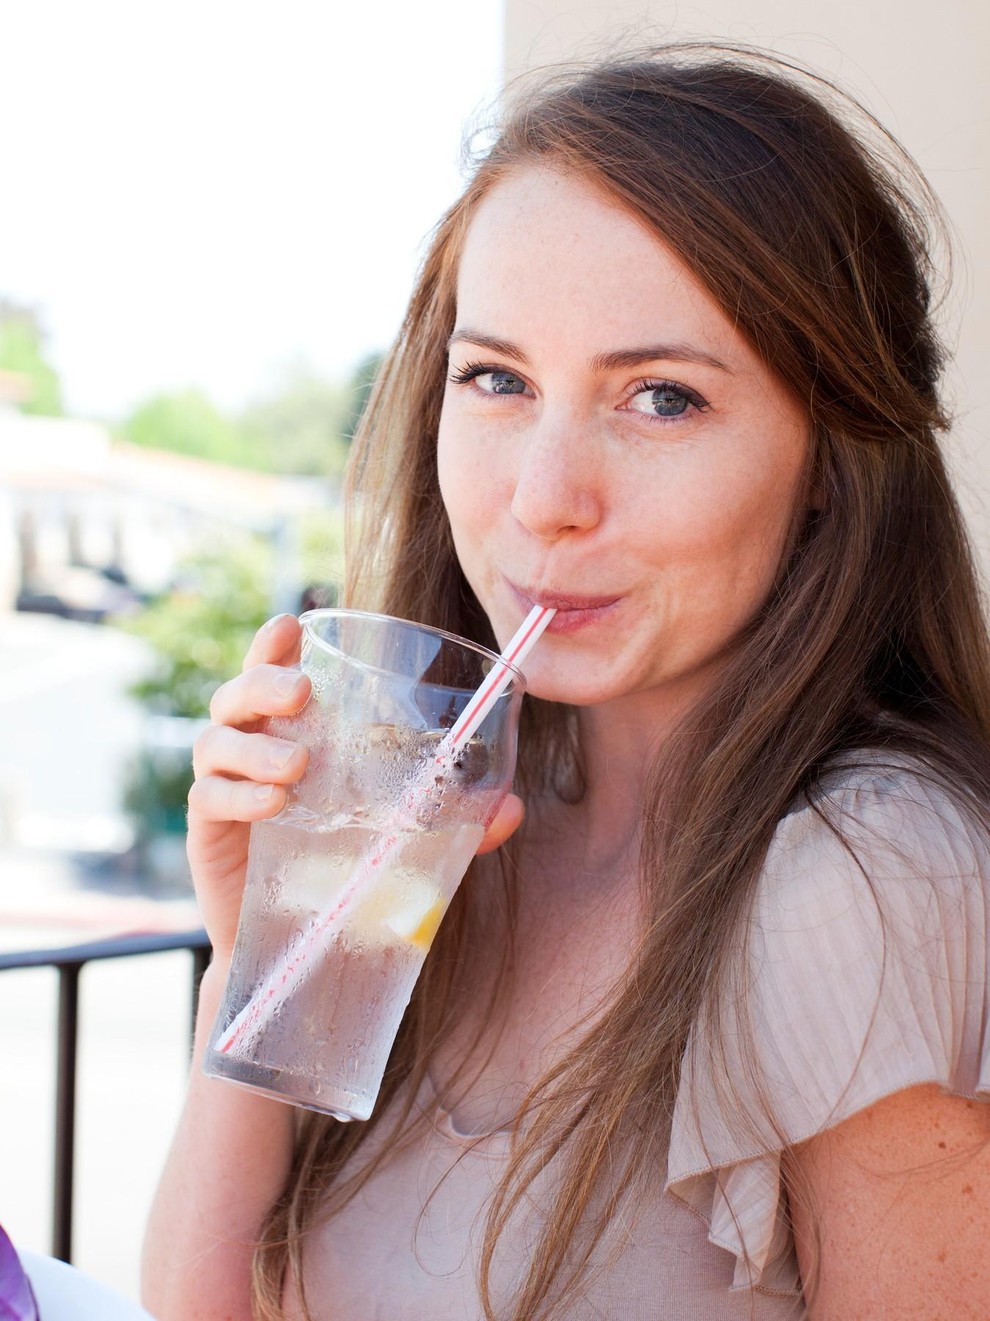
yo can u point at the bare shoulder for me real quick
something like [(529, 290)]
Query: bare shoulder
[(891, 1210)]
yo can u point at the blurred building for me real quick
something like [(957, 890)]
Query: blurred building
[(89, 526)]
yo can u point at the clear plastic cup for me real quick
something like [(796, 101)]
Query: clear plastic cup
[(347, 885)]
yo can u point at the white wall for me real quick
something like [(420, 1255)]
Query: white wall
[(921, 68)]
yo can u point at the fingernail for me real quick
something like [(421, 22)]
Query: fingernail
[(263, 792), (272, 622), (286, 683), (280, 755)]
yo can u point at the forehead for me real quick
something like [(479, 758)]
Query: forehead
[(544, 245)]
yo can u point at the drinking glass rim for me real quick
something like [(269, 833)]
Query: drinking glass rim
[(518, 681)]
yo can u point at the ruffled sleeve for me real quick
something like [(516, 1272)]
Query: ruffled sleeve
[(865, 972)]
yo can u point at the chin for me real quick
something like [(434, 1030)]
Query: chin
[(549, 687)]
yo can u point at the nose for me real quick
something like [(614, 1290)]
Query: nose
[(557, 487)]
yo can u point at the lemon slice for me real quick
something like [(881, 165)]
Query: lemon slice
[(416, 917), (422, 937)]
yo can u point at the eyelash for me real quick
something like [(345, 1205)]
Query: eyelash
[(471, 370)]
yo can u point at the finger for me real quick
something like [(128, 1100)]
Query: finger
[(263, 690), (507, 820), (221, 750), (275, 643), (215, 798)]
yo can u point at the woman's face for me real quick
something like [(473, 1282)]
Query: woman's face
[(610, 445)]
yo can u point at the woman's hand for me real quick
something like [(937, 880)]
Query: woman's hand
[(242, 775), (507, 821)]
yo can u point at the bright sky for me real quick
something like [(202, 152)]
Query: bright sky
[(203, 191)]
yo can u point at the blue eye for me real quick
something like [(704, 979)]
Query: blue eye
[(503, 383), (664, 399), (667, 402), (489, 380)]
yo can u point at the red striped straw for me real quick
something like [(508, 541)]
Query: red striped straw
[(297, 962), (498, 679)]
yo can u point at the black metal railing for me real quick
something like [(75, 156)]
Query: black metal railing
[(69, 962)]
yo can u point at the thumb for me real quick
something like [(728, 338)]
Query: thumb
[(507, 820)]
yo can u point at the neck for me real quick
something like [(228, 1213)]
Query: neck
[(620, 742), (598, 837)]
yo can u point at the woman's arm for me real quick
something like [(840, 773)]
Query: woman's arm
[(893, 1207), (228, 1164)]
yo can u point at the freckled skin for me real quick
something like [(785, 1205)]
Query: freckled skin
[(903, 1199)]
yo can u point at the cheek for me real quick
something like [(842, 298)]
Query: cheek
[(469, 480), (761, 549), (450, 474), (461, 487), (734, 531)]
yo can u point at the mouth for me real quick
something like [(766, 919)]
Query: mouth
[(574, 610)]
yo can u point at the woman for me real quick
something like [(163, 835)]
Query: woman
[(703, 1038)]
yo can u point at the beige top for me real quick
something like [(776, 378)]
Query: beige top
[(867, 974)]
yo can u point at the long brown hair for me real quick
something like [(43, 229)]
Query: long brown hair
[(812, 230)]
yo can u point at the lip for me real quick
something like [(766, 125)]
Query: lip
[(574, 610)]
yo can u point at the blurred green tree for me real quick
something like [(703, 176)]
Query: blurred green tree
[(201, 628), (188, 422), (299, 425), (22, 350), (302, 426)]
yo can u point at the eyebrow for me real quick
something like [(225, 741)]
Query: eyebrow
[(601, 362)]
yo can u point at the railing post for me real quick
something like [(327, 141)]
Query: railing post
[(65, 1109), (69, 961)]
